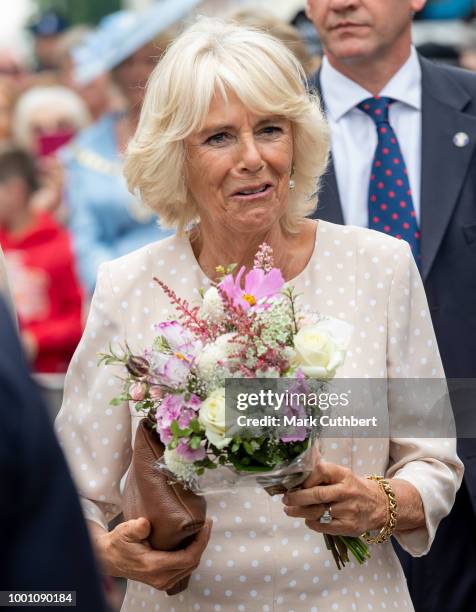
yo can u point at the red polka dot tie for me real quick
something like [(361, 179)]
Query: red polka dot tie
[(391, 207)]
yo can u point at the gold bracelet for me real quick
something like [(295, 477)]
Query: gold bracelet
[(384, 534)]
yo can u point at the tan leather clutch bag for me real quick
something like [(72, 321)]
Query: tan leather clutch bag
[(175, 513)]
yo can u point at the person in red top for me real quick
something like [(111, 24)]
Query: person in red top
[(41, 267)]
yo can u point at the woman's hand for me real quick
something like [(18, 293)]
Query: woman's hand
[(125, 552), (357, 504)]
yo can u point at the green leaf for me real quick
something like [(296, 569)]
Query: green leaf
[(195, 426), (248, 447), (117, 401), (174, 428), (195, 442)]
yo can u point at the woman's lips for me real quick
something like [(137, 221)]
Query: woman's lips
[(254, 197)]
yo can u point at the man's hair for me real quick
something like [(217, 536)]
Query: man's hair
[(15, 162)]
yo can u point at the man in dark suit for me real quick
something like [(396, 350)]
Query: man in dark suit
[(403, 133), (44, 543)]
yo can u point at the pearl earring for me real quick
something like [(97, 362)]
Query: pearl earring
[(292, 182)]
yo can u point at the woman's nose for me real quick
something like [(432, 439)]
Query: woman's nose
[(251, 159)]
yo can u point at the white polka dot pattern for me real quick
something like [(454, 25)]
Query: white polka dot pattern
[(257, 558)]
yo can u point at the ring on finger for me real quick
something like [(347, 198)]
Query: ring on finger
[(326, 517)]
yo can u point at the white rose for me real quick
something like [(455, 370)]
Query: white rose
[(214, 352), (321, 348), (212, 307), (212, 417)]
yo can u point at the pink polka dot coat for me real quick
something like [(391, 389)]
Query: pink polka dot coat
[(258, 559)]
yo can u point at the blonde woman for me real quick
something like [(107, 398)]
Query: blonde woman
[(228, 150)]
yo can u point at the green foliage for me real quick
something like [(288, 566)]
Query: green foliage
[(223, 271), (86, 11), (195, 442), (120, 399), (145, 406), (161, 345)]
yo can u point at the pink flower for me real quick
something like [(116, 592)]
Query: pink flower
[(258, 285), (175, 371), (156, 392), (189, 454), (173, 367), (137, 391), (175, 407), (297, 433), (180, 340), (170, 370)]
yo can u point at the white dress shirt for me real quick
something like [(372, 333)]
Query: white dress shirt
[(354, 135)]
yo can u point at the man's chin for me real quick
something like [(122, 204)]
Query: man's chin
[(350, 50)]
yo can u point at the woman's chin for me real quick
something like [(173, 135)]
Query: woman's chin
[(255, 222)]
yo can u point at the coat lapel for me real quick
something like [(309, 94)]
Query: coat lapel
[(444, 165), (328, 201)]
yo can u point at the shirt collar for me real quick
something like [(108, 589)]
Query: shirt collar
[(341, 94)]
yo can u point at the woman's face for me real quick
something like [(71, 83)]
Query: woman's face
[(132, 74), (46, 121), (238, 167)]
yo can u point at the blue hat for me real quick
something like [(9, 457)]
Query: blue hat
[(49, 23), (120, 34)]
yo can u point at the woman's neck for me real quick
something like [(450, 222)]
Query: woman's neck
[(291, 252)]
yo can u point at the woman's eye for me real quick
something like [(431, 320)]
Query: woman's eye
[(271, 130), (217, 139)]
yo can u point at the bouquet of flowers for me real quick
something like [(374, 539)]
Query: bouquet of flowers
[(248, 326)]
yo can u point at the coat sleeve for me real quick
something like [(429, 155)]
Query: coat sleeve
[(96, 436), (422, 438), (45, 544), (91, 250), (5, 291)]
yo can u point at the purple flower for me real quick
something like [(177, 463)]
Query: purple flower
[(189, 454), (175, 407), (168, 370), (295, 409), (168, 411), (180, 340), (258, 285), (173, 368), (175, 371)]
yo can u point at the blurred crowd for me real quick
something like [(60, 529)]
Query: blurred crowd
[(65, 121)]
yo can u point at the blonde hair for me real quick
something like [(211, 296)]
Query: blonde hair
[(216, 56)]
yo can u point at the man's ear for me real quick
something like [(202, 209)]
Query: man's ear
[(308, 10), (417, 5)]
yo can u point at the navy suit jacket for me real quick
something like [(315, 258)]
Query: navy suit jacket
[(44, 543), (448, 223)]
